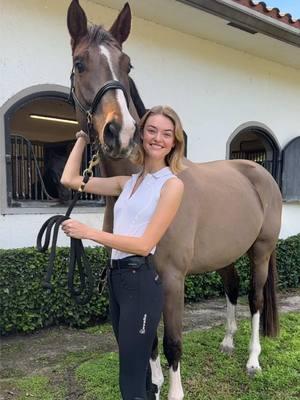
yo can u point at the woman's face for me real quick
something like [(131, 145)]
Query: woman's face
[(158, 136)]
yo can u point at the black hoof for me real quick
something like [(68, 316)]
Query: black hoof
[(151, 392)]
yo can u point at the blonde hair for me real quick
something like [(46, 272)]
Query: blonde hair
[(175, 157)]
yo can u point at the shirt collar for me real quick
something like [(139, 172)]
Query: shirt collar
[(162, 172), (158, 174)]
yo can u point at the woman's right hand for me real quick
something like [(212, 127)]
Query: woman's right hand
[(112, 186), (72, 179)]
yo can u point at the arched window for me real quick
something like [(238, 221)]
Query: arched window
[(39, 130), (256, 144)]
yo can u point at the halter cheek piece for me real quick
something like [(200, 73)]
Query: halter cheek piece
[(89, 112)]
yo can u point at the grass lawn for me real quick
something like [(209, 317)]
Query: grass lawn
[(207, 373)]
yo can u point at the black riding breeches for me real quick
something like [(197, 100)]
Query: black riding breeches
[(136, 301)]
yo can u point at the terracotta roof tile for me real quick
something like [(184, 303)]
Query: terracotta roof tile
[(275, 13)]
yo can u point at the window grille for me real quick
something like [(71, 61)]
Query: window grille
[(259, 157), (33, 181)]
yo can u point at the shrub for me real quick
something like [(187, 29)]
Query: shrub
[(26, 306), (288, 262)]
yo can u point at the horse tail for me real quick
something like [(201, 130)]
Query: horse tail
[(270, 321)]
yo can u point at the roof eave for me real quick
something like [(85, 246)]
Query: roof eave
[(250, 19)]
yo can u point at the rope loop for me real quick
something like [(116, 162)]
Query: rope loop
[(83, 292)]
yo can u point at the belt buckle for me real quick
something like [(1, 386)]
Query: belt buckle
[(132, 264)]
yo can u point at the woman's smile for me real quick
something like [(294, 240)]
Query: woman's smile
[(156, 146)]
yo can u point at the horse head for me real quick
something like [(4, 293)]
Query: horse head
[(100, 83), (55, 160)]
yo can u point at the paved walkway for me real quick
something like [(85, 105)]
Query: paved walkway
[(209, 313)]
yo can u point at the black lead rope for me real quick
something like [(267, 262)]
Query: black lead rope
[(77, 255), (78, 259)]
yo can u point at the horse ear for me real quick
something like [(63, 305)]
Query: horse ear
[(121, 27), (77, 22)]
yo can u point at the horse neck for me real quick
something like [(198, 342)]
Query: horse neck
[(109, 167), (136, 99)]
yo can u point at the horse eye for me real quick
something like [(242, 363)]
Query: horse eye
[(79, 66), (130, 66)]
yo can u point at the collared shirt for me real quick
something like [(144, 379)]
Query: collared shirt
[(133, 212)]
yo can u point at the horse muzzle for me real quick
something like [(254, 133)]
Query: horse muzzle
[(112, 144)]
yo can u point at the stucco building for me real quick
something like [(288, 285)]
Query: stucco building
[(231, 68)]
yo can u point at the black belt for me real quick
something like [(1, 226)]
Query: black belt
[(130, 262)]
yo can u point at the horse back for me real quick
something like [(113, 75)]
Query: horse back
[(224, 208)]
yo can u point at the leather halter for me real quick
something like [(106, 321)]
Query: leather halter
[(89, 111)]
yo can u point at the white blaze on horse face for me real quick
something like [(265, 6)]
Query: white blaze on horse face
[(175, 390), (254, 347), (129, 125)]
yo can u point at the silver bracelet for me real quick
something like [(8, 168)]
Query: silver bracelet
[(83, 135)]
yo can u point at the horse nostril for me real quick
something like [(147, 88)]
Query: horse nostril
[(111, 134)]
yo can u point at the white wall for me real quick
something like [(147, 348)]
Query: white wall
[(21, 230), (215, 89), (290, 220)]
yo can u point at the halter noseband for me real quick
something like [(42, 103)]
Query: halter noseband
[(89, 112)]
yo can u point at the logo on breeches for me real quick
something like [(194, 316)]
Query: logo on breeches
[(143, 330)]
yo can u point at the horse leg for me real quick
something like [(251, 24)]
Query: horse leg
[(173, 310), (156, 370), (230, 280), (262, 300)]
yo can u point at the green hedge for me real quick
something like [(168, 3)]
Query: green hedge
[(26, 306)]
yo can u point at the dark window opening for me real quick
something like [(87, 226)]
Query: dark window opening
[(40, 133), (257, 145)]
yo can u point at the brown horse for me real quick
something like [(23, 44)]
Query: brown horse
[(229, 207)]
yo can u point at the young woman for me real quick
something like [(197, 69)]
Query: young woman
[(147, 204)]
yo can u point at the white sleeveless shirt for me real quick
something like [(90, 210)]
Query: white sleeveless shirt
[(133, 212)]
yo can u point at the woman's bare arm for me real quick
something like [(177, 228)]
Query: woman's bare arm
[(169, 202), (72, 179)]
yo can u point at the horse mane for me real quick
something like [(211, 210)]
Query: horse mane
[(141, 109), (136, 98), (97, 34)]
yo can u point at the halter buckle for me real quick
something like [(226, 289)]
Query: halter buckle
[(88, 172), (94, 160), (89, 117)]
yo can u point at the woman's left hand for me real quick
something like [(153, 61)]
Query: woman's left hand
[(75, 229)]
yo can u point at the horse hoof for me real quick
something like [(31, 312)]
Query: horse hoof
[(252, 371), (153, 393), (226, 349), (175, 398)]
